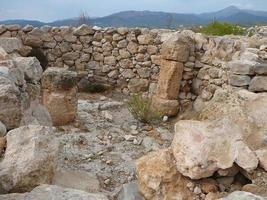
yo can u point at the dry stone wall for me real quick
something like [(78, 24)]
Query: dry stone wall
[(130, 59), (122, 57)]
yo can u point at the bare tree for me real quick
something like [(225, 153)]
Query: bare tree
[(169, 21), (84, 18)]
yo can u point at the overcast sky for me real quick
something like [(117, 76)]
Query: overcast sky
[(50, 10)]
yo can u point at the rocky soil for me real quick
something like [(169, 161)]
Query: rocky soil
[(59, 143)]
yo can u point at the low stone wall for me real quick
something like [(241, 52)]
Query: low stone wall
[(130, 59), (122, 57)]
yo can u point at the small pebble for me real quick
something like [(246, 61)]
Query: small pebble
[(134, 132), (197, 190), (133, 127), (165, 118), (107, 181), (129, 137)]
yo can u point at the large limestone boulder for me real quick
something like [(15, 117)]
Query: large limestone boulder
[(10, 45), (60, 94), (238, 195), (10, 103), (52, 192), (31, 68), (9, 69), (202, 148), (36, 114), (158, 177), (30, 159)]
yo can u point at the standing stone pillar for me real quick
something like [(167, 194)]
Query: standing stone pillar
[(60, 95), (175, 51)]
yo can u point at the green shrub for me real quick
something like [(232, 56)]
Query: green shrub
[(219, 28), (142, 109)]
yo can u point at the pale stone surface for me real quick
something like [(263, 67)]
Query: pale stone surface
[(242, 67), (76, 179), (138, 85), (258, 84), (2, 129), (130, 191), (30, 159), (261, 69), (165, 106), (176, 48), (10, 103), (242, 196), (240, 80), (10, 45), (52, 192), (36, 114), (158, 177), (62, 105), (60, 94), (83, 30), (201, 148), (169, 79), (31, 68)]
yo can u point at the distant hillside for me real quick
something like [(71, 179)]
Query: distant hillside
[(151, 19)]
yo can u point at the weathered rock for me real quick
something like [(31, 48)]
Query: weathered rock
[(83, 30), (165, 106), (31, 68), (10, 70), (70, 56), (58, 79), (258, 84), (33, 41), (3, 54), (242, 196), (239, 80), (10, 45), (176, 48), (62, 105), (145, 39), (30, 159), (52, 192), (169, 80), (2, 129), (130, 191), (261, 69), (158, 177), (138, 85), (262, 155), (13, 27), (201, 148), (242, 67), (36, 114), (2, 145), (60, 94), (80, 180), (10, 104), (27, 28)]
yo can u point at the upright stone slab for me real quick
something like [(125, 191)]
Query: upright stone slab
[(170, 78), (60, 94), (175, 51)]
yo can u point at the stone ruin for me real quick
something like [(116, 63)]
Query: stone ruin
[(54, 139)]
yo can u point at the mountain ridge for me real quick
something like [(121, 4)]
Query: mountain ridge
[(158, 19)]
